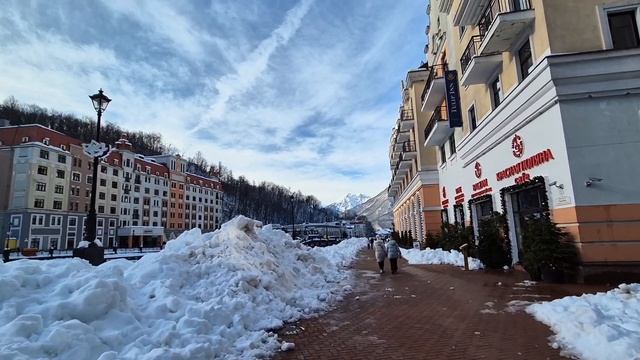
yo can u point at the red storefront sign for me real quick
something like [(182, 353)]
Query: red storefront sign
[(445, 201), (526, 164), (459, 198), (481, 188)]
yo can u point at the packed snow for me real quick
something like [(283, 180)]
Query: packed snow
[(439, 256), (205, 296), (595, 326)]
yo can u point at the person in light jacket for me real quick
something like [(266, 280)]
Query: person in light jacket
[(381, 253), (393, 251)]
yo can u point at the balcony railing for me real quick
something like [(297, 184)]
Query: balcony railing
[(497, 7), (473, 49), (409, 146), (439, 114), (406, 114), (436, 71)]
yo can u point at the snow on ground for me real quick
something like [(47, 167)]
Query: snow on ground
[(439, 256), (205, 296), (595, 326)]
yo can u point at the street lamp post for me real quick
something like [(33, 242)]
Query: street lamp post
[(100, 103), (293, 219), (94, 253)]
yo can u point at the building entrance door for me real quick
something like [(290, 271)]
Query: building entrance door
[(526, 204)]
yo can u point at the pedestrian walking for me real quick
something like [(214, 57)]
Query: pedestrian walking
[(393, 251), (370, 244), (51, 248), (381, 253)]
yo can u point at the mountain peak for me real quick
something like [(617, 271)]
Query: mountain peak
[(349, 202)]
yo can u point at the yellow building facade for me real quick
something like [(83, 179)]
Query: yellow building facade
[(548, 95)]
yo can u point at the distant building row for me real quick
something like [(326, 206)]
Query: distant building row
[(45, 190)]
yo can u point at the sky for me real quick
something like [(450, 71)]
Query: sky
[(301, 93)]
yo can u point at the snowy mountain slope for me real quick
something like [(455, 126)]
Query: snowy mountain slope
[(377, 210), (349, 202)]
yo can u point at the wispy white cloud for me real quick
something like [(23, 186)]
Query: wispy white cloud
[(248, 71)]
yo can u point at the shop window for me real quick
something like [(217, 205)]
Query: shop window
[(458, 214), (444, 216), (34, 243), (623, 27)]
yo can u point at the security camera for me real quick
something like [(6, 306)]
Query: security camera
[(555, 183), (591, 180)]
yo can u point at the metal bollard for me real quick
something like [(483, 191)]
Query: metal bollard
[(464, 250)]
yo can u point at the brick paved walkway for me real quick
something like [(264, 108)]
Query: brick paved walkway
[(429, 312)]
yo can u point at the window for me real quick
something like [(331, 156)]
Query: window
[(87, 193), (103, 182), (40, 186), (60, 174), (37, 220), (624, 29), (114, 184), (112, 210), (55, 220), (115, 171), (89, 179), (38, 203), (114, 197), (452, 144), (496, 92), (34, 243), (462, 29), (443, 155), (44, 154), (472, 118), (62, 159), (102, 196), (75, 176), (45, 141), (458, 214), (53, 243), (525, 60), (101, 209), (25, 139), (57, 204), (103, 169), (59, 189), (42, 170)]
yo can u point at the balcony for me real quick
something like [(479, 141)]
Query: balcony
[(406, 119), (469, 12), (437, 130), (434, 90), (502, 23), (409, 150), (477, 68)]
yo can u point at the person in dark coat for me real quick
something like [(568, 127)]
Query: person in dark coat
[(393, 251)]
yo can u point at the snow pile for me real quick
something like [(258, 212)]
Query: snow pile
[(344, 252), (205, 296), (439, 256), (595, 326)]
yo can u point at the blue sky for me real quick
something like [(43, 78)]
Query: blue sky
[(302, 93)]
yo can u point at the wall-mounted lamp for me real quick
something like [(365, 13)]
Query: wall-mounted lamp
[(555, 183), (591, 180)]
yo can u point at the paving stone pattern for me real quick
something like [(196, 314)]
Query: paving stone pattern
[(430, 312)]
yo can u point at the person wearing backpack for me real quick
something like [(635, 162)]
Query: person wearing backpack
[(393, 251)]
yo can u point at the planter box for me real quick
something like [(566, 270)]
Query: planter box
[(29, 252)]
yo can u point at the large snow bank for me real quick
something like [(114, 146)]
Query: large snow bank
[(204, 296), (595, 326), (439, 256)]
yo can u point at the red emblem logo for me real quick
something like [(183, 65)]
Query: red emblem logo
[(517, 146), (444, 192), (478, 170)]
